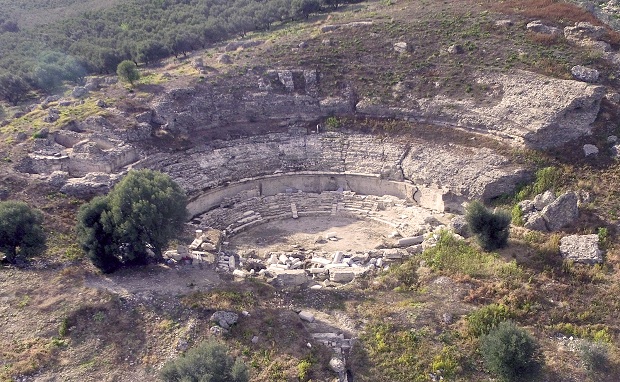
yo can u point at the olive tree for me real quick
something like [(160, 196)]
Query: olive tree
[(21, 230), (134, 222), (127, 71)]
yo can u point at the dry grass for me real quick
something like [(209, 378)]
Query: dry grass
[(557, 11)]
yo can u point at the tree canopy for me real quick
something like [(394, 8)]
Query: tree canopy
[(21, 230), (128, 72), (137, 30), (134, 222)]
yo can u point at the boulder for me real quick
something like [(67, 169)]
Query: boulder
[(401, 47), (225, 319), (562, 212), (306, 316), (79, 92), (537, 26), (543, 200), (536, 222), (337, 365), (459, 226), (581, 249), (582, 73), (589, 149), (456, 49), (224, 59)]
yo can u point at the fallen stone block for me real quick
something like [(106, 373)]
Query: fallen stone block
[(413, 240), (320, 261), (293, 277), (239, 273), (339, 276), (337, 257), (306, 316)]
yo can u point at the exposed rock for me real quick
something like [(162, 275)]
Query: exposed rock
[(456, 49), (537, 26), (88, 186), (225, 59), (612, 139), (327, 42), (408, 241), (302, 45), (401, 47), (145, 117), (504, 23), (613, 97), (581, 249), (225, 319), (79, 92), (101, 103), (562, 212), (589, 149), (581, 73), (583, 31), (92, 83), (57, 179), (306, 316), (543, 200), (329, 28)]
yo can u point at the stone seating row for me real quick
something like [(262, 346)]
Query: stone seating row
[(253, 211)]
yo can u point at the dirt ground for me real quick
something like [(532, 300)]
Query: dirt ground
[(302, 233)]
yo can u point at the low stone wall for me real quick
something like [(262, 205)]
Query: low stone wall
[(247, 211), (317, 183)]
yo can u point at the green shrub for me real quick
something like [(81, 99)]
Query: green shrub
[(207, 362), (594, 355), (547, 178), (483, 320), (303, 368), (509, 352), (517, 215), (332, 123), (490, 228), (21, 230)]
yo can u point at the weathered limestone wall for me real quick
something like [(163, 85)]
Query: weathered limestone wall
[(314, 183), (522, 108)]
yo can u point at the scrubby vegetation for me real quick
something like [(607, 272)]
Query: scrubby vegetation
[(207, 362)]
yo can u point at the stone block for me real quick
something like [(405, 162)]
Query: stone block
[(306, 316), (286, 278), (408, 241), (341, 276)]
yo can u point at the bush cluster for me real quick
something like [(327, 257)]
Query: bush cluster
[(510, 352), (207, 362), (490, 228)]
